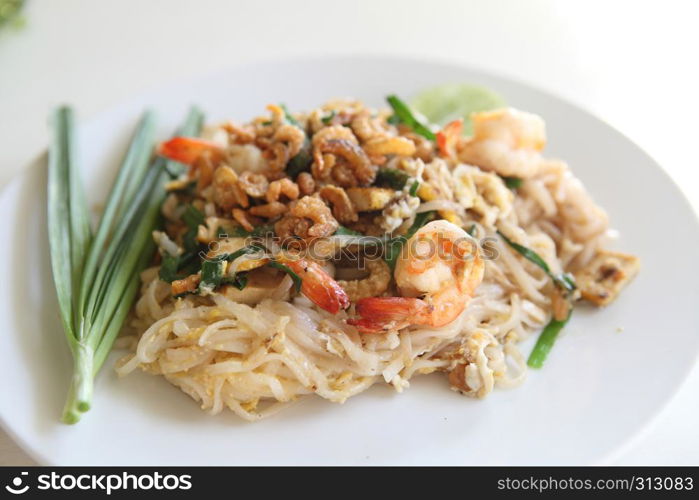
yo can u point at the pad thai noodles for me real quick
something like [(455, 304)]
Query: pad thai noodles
[(326, 251)]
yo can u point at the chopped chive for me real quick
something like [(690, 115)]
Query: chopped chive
[(192, 217), (212, 268), (252, 248), (545, 341), (168, 268), (406, 116), (211, 274), (288, 116), (190, 263), (562, 280), (391, 177), (327, 119), (512, 182)]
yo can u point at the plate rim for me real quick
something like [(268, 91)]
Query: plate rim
[(353, 58)]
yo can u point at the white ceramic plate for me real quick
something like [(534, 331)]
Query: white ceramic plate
[(598, 389)]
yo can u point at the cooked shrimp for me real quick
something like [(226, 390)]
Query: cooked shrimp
[(316, 284), (285, 187), (240, 216), (239, 134), (286, 143), (506, 141), (227, 191), (253, 184), (278, 115), (368, 127), (343, 209), (440, 264), (310, 207), (357, 160), (334, 132), (323, 162), (306, 183), (187, 149), (269, 210)]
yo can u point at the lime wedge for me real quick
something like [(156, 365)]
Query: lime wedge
[(444, 103)]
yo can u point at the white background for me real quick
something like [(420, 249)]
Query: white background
[(631, 63)]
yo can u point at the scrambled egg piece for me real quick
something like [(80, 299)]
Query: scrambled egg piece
[(601, 281)]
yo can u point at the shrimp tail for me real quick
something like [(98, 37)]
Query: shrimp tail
[(319, 286), (378, 314), (187, 149)]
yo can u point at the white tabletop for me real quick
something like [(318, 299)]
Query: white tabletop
[(632, 63)]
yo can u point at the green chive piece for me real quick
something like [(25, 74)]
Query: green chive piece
[(211, 274), (63, 180), (512, 182), (288, 116), (327, 119), (391, 177), (545, 342), (406, 116), (168, 268), (212, 268), (70, 237), (562, 280), (192, 217), (97, 278), (130, 175)]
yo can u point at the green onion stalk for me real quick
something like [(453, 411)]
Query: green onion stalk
[(96, 274)]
